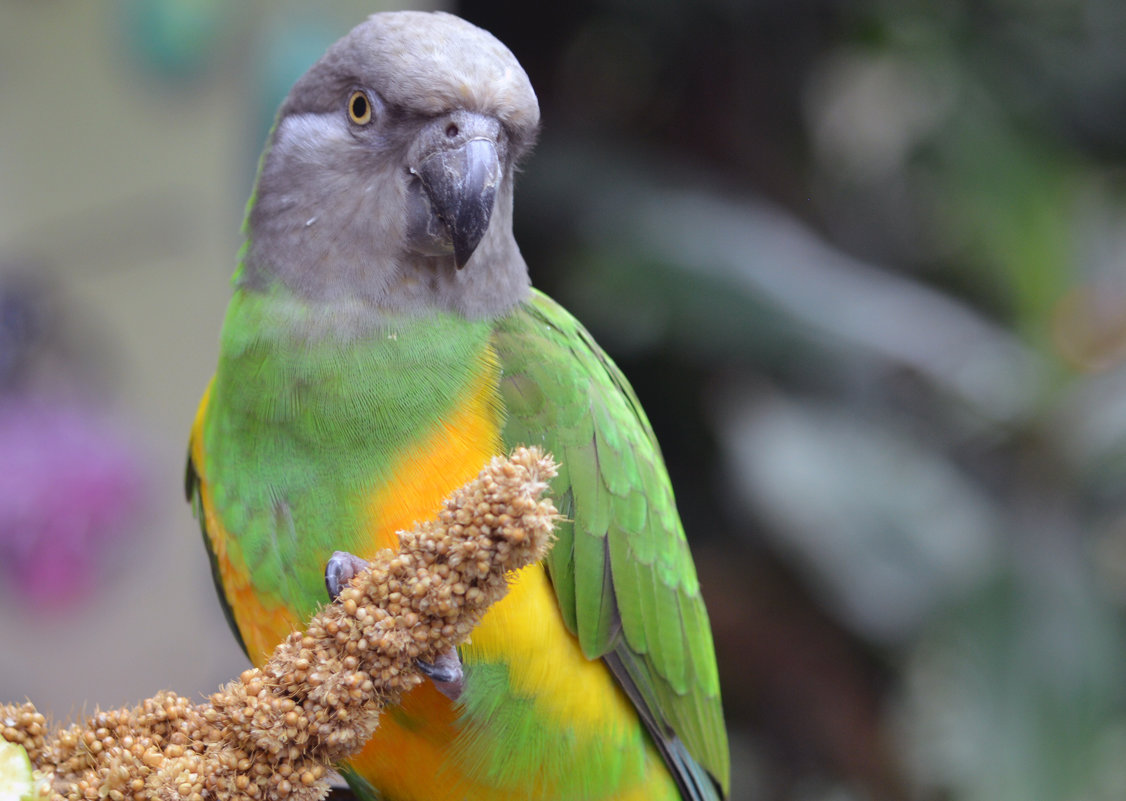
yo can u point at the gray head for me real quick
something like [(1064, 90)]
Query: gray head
[(388, 179)]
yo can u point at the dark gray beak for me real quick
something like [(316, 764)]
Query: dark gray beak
[(461, 183)]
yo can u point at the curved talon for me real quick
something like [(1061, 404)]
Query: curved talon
[(340, 569), (445, 672)]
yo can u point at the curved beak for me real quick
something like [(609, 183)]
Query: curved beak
[(461, 184)]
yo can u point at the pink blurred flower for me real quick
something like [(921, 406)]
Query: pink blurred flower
[(70, 486)]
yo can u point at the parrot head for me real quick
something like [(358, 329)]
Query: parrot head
[(388, 176)]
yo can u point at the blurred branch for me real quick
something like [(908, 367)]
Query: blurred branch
[(764, 254)]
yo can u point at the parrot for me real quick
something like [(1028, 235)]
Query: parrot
[(382, 343)]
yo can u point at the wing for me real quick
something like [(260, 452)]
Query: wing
[(621, 567)]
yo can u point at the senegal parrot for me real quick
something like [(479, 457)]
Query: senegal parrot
[(382, 343)]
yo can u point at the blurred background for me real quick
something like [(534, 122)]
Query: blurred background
[(864, 261)]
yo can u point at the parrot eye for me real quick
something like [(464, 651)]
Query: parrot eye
[(359, 108)]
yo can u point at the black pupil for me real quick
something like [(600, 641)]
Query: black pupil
[(359, 106)]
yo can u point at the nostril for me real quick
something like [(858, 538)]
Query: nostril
[(452, 130)]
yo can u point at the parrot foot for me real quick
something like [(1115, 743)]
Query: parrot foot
[(445, 672), (341, 568)]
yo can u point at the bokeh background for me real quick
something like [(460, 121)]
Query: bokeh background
[(864, 261)]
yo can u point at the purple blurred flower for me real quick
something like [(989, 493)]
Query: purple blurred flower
[(69, 486)]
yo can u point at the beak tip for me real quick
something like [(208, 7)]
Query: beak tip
[(462, 185)]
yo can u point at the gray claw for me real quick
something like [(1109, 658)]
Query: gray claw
[(340, 569), (446, 673)]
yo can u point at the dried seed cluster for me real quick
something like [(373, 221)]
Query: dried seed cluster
[(272, 734), (113, 753), (25, 726)]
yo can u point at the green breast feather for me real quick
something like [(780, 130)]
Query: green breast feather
[(621, 567), (304, 420)]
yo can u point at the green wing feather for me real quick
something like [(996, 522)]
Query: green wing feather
[(621, 567)]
